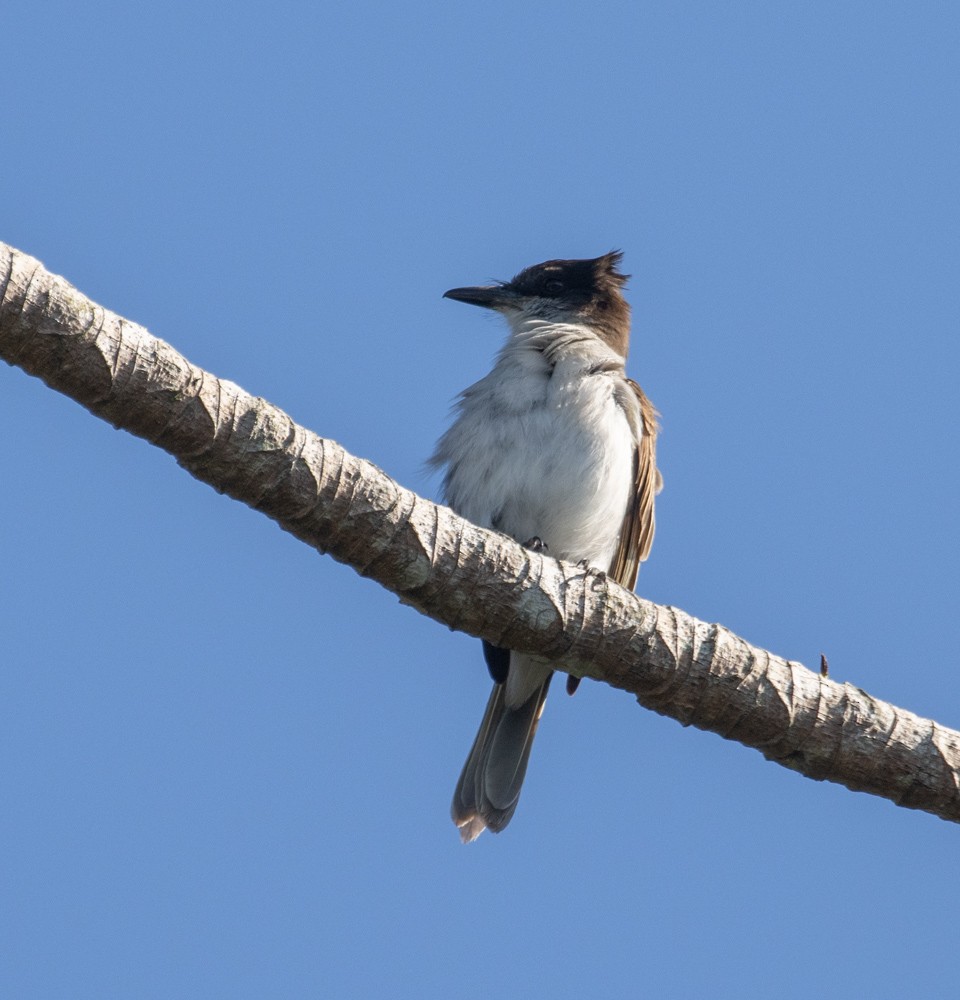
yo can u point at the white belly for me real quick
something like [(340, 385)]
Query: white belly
[(547, 455)]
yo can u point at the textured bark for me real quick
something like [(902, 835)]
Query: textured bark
[(470, 579)]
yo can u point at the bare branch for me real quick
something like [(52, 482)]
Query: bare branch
[(474, 580)]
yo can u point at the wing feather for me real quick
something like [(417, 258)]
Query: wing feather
[(639, 523)]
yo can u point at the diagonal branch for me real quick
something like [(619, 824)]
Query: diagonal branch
[(473, 580)]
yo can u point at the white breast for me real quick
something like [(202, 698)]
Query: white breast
[(545, 450)]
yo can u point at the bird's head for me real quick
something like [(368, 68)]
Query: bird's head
[(585, 292)]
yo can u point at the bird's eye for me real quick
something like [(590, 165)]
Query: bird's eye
[(553, 285)]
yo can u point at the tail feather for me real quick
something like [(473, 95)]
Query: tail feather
[(487, 793)]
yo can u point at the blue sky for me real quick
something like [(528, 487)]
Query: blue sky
[(225, 761)]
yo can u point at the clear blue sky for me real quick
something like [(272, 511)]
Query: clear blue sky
[(225, 761)]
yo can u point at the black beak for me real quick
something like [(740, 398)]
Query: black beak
[(488, 296)]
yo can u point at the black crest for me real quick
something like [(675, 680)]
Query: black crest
[(590, 289)]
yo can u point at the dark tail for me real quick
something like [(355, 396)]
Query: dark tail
[(489, 786)]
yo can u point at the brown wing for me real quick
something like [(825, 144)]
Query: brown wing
[(636, 535)]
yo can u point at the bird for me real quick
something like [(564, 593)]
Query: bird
[(556, 448)]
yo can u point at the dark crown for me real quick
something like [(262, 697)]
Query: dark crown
[(591, 289)]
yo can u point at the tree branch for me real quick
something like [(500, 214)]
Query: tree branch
[(470, 579)]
